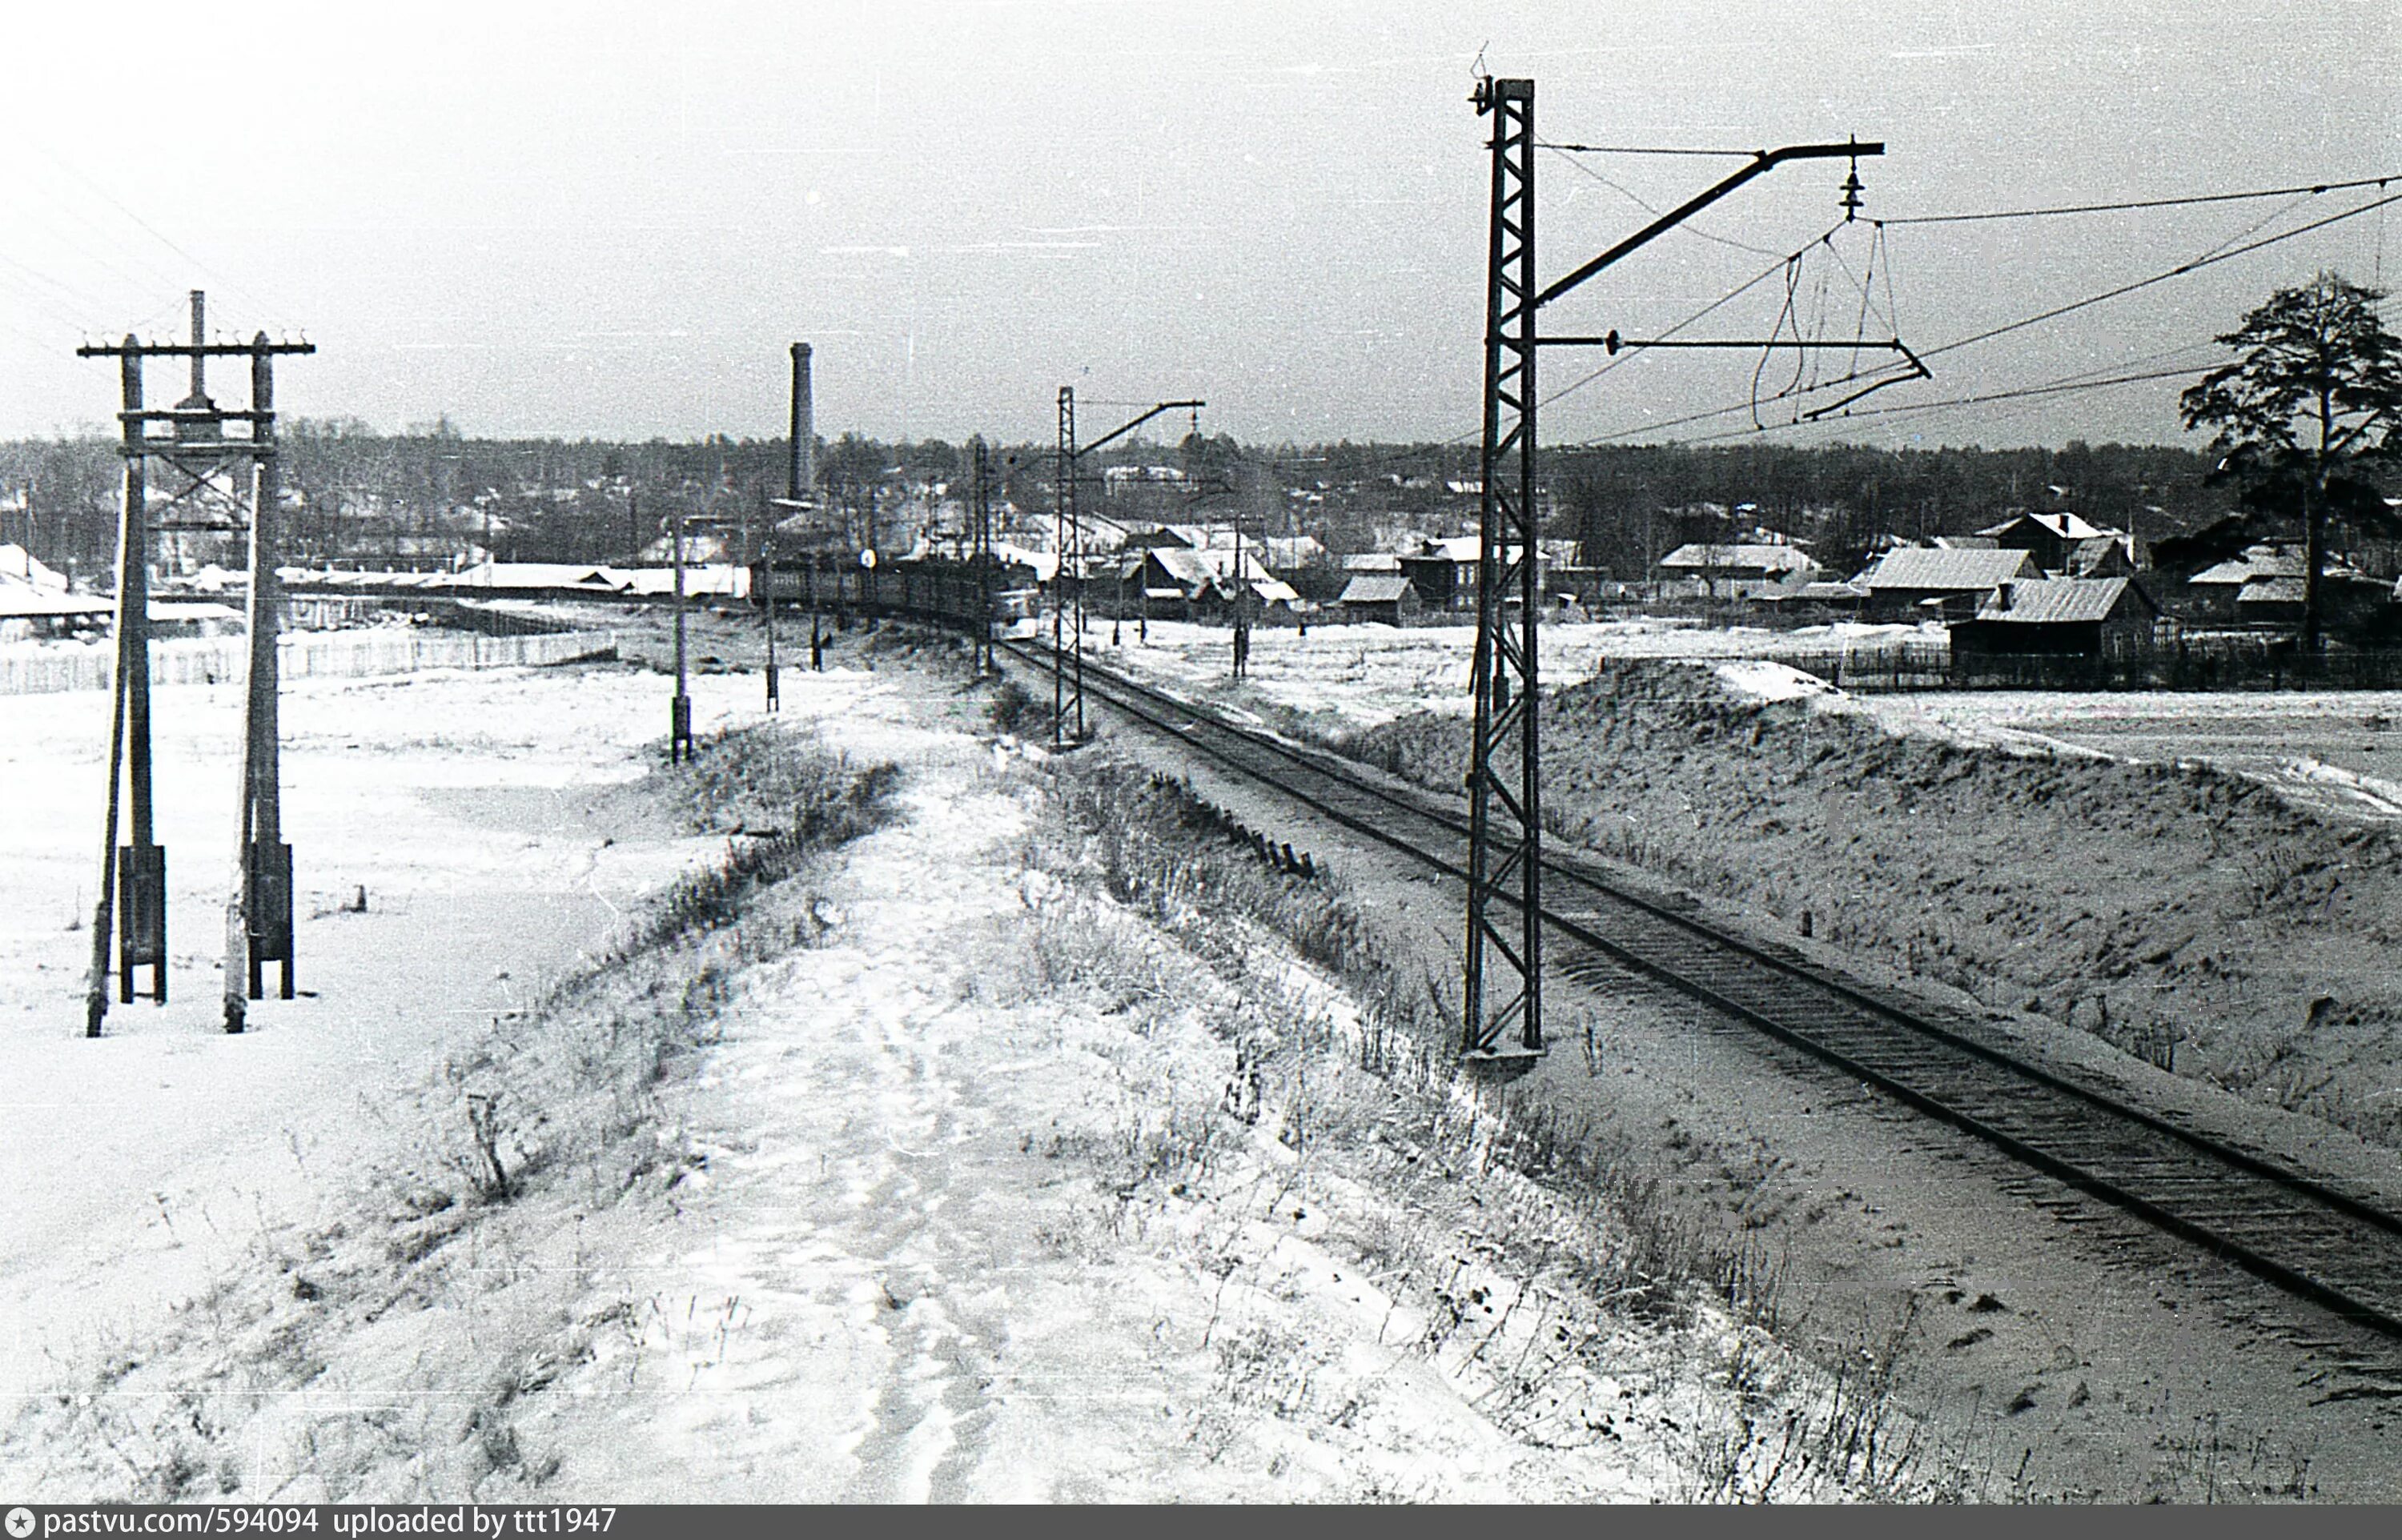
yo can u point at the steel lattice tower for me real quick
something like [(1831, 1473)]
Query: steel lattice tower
[(1505, 792), (1064, 523)]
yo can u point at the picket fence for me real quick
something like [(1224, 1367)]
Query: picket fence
[(27, 670)]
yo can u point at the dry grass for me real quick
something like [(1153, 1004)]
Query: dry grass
[(280, 1379), (1540, 1251)]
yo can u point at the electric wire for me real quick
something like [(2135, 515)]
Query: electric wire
[(2222, 255), (1650, 208), (2308, 189)]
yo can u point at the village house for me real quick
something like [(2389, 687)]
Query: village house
[(1388, 598), (1920, 582), (2073, 617), (1741, 570), (2064, 544), (2263, 586)]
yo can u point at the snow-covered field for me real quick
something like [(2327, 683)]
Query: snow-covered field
[(900, 1251), (137, 1165), (1363, 675), (2326, 750), (2337, 750)]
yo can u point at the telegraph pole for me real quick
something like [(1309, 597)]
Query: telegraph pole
[(1505, 820), (209, 468), (679, 707), (767, 576)]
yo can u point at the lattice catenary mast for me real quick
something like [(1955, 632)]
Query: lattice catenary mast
[(1504, 768)]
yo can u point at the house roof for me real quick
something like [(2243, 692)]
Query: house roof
[(1373, 561), (542, 574), (2237, 571), (24, 567), (1766, 558), (2271, 590), (1917, 567), (2083, 555), (1372, 588), (2059, 601), (2065, 525), (22, 601)]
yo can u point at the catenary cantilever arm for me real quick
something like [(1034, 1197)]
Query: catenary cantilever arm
[(1767, 160), (1163, 406)]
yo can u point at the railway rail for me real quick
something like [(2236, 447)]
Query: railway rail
[(2284, 1225)]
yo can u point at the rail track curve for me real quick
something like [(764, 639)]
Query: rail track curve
[(2293, 1229)]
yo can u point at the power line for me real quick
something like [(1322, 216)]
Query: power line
[(1737, 292), (2143, 203), (2017, 394), (1648, 208), (2177, 271)]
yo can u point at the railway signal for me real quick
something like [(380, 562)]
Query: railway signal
[(1504, 765)]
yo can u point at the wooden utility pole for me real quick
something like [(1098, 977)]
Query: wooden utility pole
[(679, 707), (210, 468), (767, 576)]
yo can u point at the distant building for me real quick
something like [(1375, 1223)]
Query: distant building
[(1187, 584), (1741, 570), (1921, 582), (1377, 596), (2060, 542), (1444, 571), (2264, 586), (2080, 617)]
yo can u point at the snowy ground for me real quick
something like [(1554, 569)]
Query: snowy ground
[(2335, 750), (138, 1165), (2324, 750), (936, 1213), (1363, 675)]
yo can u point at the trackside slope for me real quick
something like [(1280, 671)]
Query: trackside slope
[(2182, 912)]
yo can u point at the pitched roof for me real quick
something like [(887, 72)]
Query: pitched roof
[(2054, 601), (2237, 571), (1964, 571), (1376, 589), (2067, 526), (2271, 590), (1768, 559), (22, 601)]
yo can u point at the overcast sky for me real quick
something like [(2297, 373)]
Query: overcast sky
[(613, 220)]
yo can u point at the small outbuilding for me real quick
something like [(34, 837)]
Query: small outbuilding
[(1375, 596)]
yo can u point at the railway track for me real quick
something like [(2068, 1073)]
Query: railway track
[(2281, 1224)]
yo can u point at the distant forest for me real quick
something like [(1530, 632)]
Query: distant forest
[(358, 494)]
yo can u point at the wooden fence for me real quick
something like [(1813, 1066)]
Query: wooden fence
[(2216, 662), (27, 670)]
